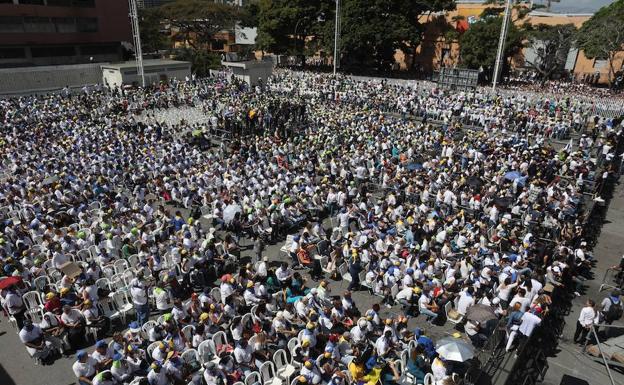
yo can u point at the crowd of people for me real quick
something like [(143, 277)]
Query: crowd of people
[(111, 217)]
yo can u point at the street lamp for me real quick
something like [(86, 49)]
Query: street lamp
[(336, 37)]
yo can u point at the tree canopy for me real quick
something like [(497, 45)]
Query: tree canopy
[(602, 36), (371, 30), (152, 38), (479, 44), (197, 22), (551, 44)]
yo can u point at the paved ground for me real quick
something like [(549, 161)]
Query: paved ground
[(608, 250)]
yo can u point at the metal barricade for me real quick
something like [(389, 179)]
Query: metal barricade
[(612, 279)]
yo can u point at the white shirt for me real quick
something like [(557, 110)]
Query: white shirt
[(139, 295), (29, 336), (243, 356), (86, 369), (529, 322), (587, 316), (382, 345), (465, 301)]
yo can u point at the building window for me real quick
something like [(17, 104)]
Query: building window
[(98, 49), (11, 24), (32, 2), (600, 64), (60, 3), (83, 3), (217, 45), (12, 53), (38, 24), (87, 24), (53, 51), (65, 24), (72, 3)]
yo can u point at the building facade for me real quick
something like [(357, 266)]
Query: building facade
[(60, 32)]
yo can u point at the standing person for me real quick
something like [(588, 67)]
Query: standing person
[(15, 306), (585, 321), (354, 270), (611, 307), (138, 292)]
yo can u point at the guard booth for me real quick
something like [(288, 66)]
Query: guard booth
[(155, 70), (250, 71)]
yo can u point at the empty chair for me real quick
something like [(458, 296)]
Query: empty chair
[(283, 368), (120, 266), (292, 344), (124, 306), (32, 300), (268, 375)]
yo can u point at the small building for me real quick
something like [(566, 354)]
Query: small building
[(155, 70), (251, 70)]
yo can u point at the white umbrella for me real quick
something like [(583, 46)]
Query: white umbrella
[(454, 349), (230, 211)]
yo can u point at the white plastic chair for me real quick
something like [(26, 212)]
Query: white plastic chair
[(343, 271), (219, 339), (103, 283), (32, 300), (429, 379), (447, 308), (215, 293), (268, 375), (150, 349), (292, 344), (124, 306), (40, 283), (190, 355), (188, 331), (206, 350), (252, 378), (283, 368)]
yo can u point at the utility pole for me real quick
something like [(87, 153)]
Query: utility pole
[(501, 44), (337, 38), (136, 37)]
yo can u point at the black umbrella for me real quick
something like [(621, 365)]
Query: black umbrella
[(474, 182), (503, 202)]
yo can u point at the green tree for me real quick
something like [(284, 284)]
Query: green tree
[(602, 36), (198, 22), (479, 45), (153, 38), (551, 44), (373, 30), (201, 60), (289, 26)]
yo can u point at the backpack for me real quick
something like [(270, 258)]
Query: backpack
[(615, 311)]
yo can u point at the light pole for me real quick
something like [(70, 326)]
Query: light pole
[(501, 44), (136, 36), (337, 37)]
